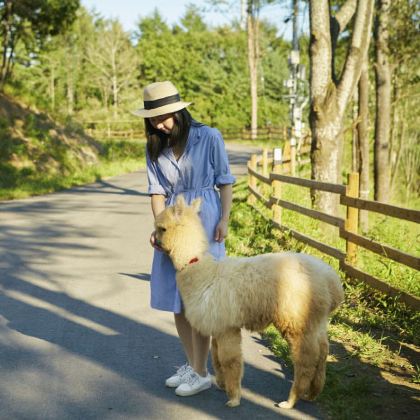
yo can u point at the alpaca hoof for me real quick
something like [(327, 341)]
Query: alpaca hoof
[(286, 405), (233, 403)]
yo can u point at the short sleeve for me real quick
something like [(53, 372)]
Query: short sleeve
[(155, 187), (220, 161)]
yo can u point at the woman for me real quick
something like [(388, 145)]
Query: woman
[(189, 158)]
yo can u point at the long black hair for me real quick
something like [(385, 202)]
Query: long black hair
[(157, 140)]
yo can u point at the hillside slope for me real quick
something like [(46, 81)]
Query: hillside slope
[(32, 143)]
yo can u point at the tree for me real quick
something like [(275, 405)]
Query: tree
[(192, 20), (31, 22), (396, 69), (330, 94), (115, 62), (363, 140), (59, 77), (383, 74), (252, 27)]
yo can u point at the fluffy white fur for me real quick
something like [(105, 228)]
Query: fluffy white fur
[(295, 292)]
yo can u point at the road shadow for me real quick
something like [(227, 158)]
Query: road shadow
[(71, 339), (135, 351), (106, 187)]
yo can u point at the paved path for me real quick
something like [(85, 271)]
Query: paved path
[(77, 337)]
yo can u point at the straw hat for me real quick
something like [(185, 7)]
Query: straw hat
[(160, 98)]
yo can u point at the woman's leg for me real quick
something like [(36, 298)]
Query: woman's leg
[(196, 346), (201, 346), (185, 334)]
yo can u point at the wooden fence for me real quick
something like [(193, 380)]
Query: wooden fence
[(348, 227), (115, 129), (267, 133), (135, 129)]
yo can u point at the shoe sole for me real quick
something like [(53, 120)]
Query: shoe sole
[(173, 386), (197, 391)]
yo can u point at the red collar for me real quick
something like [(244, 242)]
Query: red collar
[(194, 260)]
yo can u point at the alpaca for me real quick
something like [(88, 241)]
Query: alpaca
[(294, 292)]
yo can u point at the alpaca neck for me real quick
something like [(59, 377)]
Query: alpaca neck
[(188, 252)]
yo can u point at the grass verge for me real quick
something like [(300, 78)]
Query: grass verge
[(373, 369), (116, 157)]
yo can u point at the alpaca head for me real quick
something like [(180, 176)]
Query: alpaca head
[(180, 233)]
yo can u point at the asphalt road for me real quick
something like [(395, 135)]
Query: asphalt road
[(78, 339)]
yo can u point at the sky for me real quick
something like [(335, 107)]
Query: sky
[(128, 12)]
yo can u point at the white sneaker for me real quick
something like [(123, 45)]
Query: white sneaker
[(177, 379), (193, 384)]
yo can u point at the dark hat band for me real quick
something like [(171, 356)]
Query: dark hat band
[(161, 102)]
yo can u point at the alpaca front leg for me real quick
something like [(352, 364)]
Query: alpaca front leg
[(230, 356), (218, 371)]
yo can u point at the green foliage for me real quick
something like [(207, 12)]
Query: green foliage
[(30, 23), (120, 150), (117, 156), (209, 67), (251, 234)]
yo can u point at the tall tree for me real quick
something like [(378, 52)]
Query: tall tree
[(115, 61), (31, 22), (330, 94), (396, 68), (58, 75), (383, 74), (252, 27), (363, 140)]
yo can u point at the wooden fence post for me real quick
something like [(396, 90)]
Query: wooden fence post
[(265, 188), (293, 156), (252, 180), (265, 162), (276, 185), (286, 157), (352, 219)]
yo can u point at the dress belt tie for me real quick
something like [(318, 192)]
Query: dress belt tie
[(197, 190)]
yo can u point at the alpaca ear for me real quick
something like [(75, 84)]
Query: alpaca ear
[(196, 204), (180, 202)]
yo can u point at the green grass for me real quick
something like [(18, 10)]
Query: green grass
[(373, 365), (399, 234), (115, 157)]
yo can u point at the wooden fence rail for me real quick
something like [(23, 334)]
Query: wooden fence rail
[(347, 226), (261, 133), (135, 129)]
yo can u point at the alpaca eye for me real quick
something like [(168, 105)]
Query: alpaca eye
[(162, 229)]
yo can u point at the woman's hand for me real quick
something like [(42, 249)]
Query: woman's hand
[(153, 242), (221, 231)]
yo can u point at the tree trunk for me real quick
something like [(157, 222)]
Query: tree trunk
[(383, 104), (70, 94), (324, 147), (355, 141), (243, 14), (363, 142), (329, 99), (6, 29), (52, 88), (252, 32), (115, 96)]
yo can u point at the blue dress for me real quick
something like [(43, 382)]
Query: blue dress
[(202, 166)]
